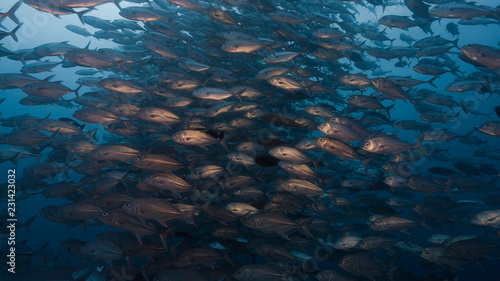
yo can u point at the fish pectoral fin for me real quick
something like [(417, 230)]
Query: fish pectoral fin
[(493, 218)]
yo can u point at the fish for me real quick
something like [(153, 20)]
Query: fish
[(385, 144), (390, 88), (469, 248), (274, 223), (452, 28), (484, 55), (389, 224), (460, 10), (153, 209), (11, 13), (361, 265), (486, 218), (490, 128), (251, 139), (258, 272)]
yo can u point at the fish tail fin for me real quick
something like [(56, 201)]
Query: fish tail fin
[(486, 89), (420, 148), (189, 217), (447, 151), (47, 117), (207, 204), (70, 106), (76, 90), (82, 13), (65, 172), (27, 224), (163, 237), (239, 93), (225, 254), (224, 145), (469, 133), (37, 157), (13, 33), (128, 123), (52, 138), (41, 249), (447, 191), (423, 222), (455, 71), (426, 27), (39, 253), (117, 4), (316, 163), (270, 50), (91, 134), (388, 110), (304, 224), (365, 163), (12, 10), (48, 78), (13, 159), (431, 81), (492, 182), (143, 270), (478, 262)]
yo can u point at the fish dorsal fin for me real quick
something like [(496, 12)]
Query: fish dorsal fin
[(49, 77)]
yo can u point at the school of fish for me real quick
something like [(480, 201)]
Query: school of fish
[(256, 140)]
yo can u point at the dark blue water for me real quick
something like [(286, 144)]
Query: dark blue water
[(51, 263)]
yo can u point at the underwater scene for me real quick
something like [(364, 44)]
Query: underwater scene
[(250, 140)]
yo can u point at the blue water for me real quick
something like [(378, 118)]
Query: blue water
[(40, 28)]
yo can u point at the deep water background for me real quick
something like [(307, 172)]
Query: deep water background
[(39, 28)]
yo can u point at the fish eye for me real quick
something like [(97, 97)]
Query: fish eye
[(105, 214), (127, 204), (474, 218), (136, 159), (487, 125), (321, 274), (150, 176), (249, 219), (425, 252)]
